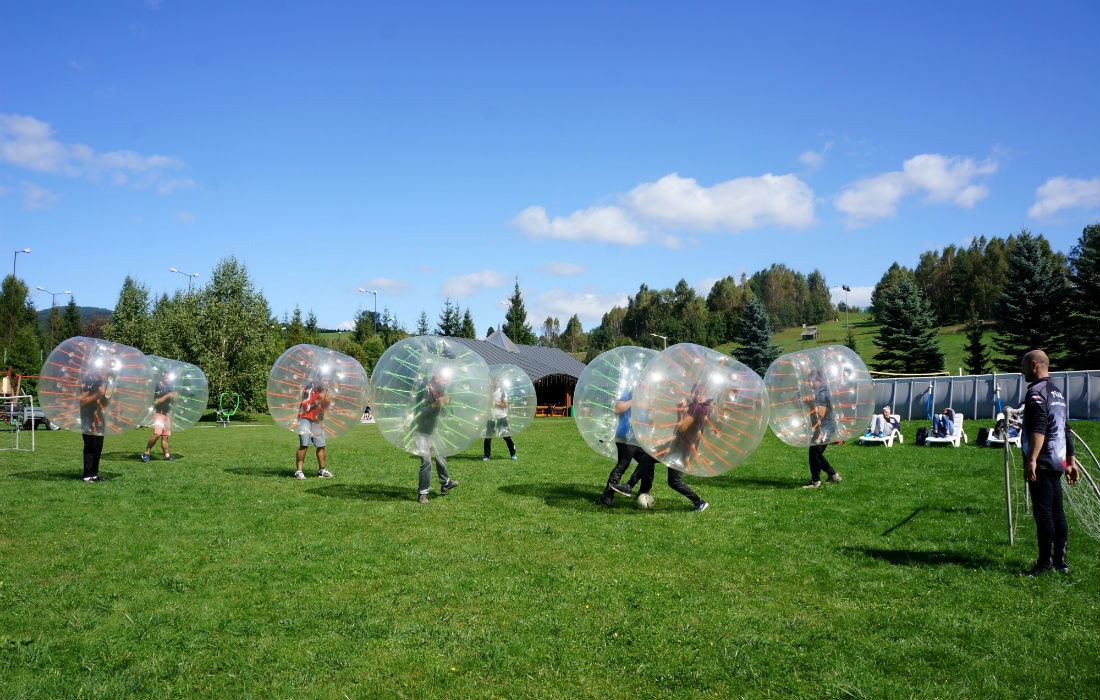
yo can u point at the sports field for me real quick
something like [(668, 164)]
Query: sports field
[(219, 576)]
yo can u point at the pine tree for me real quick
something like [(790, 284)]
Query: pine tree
[(907, 339), (573, 338), (422, 324), (1084, 301), (977, 357), (754, 347), (70, 322), (515, 320), (467, 329), (1031, 309), (450, 322)]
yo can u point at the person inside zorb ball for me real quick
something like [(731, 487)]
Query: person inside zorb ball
[(699, 411), (317, 393), (431, 399), (819, 396)]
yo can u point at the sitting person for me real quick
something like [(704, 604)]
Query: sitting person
[(999, 428), (884, 424), (943, 423)]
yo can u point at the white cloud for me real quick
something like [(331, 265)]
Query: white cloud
[(564, 269), (26, 142), (814, 160), (703, 287), (940, 178), (185, 216), (731, 206), (387, 286), (1060, 193), (560, 304), (467, 285), (596, 224), (36, 198)]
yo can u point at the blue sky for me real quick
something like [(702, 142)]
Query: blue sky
[(439, 150)]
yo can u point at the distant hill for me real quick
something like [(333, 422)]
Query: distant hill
[(86, 314)]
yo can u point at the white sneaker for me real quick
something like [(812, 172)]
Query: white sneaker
[(324, 474), (300, 475)]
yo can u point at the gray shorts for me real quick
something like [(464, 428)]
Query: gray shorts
[(308, 431)]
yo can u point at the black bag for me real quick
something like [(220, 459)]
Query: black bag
[(983, 437), (922, 435)]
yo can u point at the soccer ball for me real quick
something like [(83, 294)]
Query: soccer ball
[(645, 501)]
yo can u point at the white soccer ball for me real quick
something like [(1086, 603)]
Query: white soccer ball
[(645, 501)]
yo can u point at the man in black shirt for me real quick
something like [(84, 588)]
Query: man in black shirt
[(1048, 453)]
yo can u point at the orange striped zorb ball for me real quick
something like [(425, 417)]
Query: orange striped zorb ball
[(699, 411), (801, 380), (96, 387), (327, 388)]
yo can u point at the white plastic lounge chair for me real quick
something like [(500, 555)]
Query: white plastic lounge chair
[(886, 438), (1012, 425), (953, 439)]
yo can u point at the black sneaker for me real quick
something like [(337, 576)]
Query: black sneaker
[(1039, 570), (701, 506), (621, 489), (1062, 568), (448, 486), (606, 501), (90, 479)]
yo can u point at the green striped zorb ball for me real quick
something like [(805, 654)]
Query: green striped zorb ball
[(512, 401), (179, 395), (608, 379), (431, 395), (847, 387), (699, 411), (308, 380)]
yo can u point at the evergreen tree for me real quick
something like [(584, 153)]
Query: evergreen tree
[(515, 320), (422, 324), (887, 282), (296, 333), (977, 358), (907, 339), (450, 322), (70, 323), (850, 339), (1084, 300), (467, 329), (132, 320), (573, 338), (313, 333), (754, 346), (364, 326), (1031, 309)]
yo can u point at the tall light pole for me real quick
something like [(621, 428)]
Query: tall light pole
[(53, 304), (846, 289), (374, 318), (664, 340), (188, 275), (11, 320)]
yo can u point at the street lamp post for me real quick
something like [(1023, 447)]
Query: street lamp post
[(11, 320), (53, 304), (188, 275), (664, 340), (846, 289), (374, 318)]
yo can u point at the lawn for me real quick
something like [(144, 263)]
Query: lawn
[(220, 576)]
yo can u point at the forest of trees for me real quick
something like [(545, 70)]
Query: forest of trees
[(1030, 295)]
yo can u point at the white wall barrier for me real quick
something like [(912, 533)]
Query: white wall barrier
[(975, 395)]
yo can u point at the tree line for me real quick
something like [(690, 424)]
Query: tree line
[(1028, 294)]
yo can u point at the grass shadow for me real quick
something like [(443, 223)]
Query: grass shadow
[(50, 475), (751, 483), (364, 492), (266, 472), (579, 497), (918, 558)]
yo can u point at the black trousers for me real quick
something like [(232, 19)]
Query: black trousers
[(507, 441), (1050, 516), (93, 449), (818, 463)]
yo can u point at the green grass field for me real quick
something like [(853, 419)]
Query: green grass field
[(218, 576)]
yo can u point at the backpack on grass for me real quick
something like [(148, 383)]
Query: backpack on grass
[(922, 435)]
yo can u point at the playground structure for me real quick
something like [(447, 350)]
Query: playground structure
[(223, 414)]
